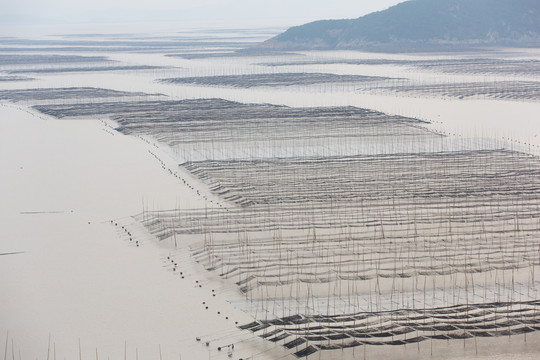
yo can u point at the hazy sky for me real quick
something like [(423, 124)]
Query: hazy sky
[(204, 12)]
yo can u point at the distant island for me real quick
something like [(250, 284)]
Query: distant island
[(422, 24)]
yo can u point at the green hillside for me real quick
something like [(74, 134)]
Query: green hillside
[(423, 22)]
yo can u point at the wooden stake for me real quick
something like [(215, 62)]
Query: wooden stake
[(5, 351)]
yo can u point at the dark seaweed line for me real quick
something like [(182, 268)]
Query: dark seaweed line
[(316, 333), (272, 79)]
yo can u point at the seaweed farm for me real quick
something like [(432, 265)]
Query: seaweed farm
[(206, 200), (32, 59), (503, 90), (374, 236), (14, 78), (202, 129), (462, 65), (346, 227), (65, 94), (84, 69), (399, 327), (334, 220), (277, 79)]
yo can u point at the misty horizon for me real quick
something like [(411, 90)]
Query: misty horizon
[(182, 14)]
